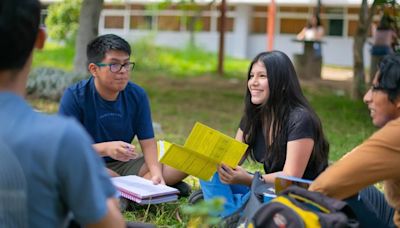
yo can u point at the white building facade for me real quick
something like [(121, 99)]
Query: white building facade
[(246, 30)]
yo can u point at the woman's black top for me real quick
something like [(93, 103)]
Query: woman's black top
[(300, 125)]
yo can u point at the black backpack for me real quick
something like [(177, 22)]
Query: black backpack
[(256, 213), (297, 207), (255, 201)]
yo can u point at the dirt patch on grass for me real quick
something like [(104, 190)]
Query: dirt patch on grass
[(206, 82), (339, 80), (334, 78)]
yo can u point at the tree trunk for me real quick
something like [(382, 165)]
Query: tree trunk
[(192, 22), (88, 30), (220, 67), (191, 26), (365, 18)]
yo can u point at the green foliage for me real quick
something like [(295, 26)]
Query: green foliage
[(44, 105), (55, 56), (346, 122), (145, 54), (201, 213), (190, 61), (162, 215), (381, 2), (50, 83), (62, 21)]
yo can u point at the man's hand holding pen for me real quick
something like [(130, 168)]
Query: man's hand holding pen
[(121, 151)]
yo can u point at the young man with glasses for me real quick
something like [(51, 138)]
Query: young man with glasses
[(61, 171), (377, 158), (114, 110)]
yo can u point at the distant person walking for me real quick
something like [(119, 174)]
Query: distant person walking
[(383, 41), (313, 31)]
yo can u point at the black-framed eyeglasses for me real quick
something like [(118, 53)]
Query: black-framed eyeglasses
[(117, 67), (378, 88)]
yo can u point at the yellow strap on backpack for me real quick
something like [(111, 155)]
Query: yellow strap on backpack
[(310, 219), (305, 200)]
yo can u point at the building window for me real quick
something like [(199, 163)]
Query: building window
[(292, 26), (168, 23), (114, 22), (141, 22), (228, 8), (43, 15), (335, 27), (260, 9), (333, 21), (228, 24), (114, 6), (355, 11), (137, 7), (259, 25), (294, 9), (352, 28), (200, 23)]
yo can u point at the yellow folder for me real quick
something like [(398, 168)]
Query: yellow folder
[(204, 149)]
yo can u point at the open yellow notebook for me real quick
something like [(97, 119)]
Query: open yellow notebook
[(204, 149)]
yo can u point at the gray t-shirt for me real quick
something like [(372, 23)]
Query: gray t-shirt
[(64, 174)]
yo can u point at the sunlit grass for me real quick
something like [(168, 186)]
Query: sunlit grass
[(44, 105), (164, 215), (55, 55), (346, 122), (189, 62)]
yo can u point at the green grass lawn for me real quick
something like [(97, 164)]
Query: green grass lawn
[(56, 56), (183, 89)]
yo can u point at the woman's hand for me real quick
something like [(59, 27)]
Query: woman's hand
[(158, 179), (237, 175)]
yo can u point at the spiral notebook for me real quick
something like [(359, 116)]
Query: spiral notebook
[(143, 191)]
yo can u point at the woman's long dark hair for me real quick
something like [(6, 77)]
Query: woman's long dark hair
[(285, 94)]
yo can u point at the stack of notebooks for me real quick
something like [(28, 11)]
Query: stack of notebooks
[(143, 191)]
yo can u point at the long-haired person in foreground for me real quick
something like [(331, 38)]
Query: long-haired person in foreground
[(63, 174), (282, 130)]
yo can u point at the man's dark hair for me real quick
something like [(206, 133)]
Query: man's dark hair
[(389, 75), (97, 48), (385, 22), (19, 26)]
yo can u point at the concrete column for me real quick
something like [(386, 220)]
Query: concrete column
[(101, 22), (241, 30), (127, 19)]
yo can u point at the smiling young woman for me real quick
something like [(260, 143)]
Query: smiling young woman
[(282, 131)]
